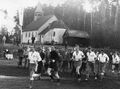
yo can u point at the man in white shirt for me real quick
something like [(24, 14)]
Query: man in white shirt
[(34, 58), (103, 59), (91, 62), (77, 58), (115, 62)]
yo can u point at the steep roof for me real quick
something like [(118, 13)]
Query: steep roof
[(58, 24), (55, 24), (76, 33), (35, 25)]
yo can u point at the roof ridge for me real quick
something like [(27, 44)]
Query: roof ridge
[(34, 25)]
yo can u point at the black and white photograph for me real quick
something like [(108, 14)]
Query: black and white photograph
[(59, 44)]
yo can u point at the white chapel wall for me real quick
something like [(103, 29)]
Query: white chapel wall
[(28, 35)]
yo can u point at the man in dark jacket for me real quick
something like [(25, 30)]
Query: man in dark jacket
[(53, 66), (33, 39)]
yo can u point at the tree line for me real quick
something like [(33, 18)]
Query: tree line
[(102, 25)]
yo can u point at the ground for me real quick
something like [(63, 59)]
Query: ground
[(12, 77)]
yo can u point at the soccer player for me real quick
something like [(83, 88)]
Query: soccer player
[(34, 58), (53, 64), (103, 60), (91, 62), (115, 62), (78, 55)]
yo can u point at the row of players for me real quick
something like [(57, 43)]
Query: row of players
[(95, 62)]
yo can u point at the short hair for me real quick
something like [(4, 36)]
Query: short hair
[(102, 50)]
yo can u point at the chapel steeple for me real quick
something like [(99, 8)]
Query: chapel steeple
[(38, 12)]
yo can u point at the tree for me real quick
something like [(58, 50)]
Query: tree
[(28, 16), (105, 28)]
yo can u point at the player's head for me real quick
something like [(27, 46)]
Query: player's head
[(89, 49), (32, 48), (102, 51), (116, 52), (77, 47), (52, 48)]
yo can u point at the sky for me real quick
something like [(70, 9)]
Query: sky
[(13, 5)]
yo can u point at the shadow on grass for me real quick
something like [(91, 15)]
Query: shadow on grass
[(13, 71)]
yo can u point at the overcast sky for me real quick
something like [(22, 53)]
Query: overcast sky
[(13, 5)]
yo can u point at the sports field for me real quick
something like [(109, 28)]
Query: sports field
[(12, 77)]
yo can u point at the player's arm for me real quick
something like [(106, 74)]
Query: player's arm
[(107, 58), (83, 56), (38, 57), (73, 56)]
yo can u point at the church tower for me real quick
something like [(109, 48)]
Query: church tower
[(38, 12)]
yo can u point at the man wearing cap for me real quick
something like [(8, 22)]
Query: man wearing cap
[(77, 58), (103, 59), (34, 58)]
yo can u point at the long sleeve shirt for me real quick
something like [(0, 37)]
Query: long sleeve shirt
[(103, 58), (115, 59), (91, 56), (78, 56), (34, 57)]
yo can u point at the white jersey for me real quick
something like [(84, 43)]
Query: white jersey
[(115, 59), (34, 57), (103, 57), (78, 56), (91, 56)]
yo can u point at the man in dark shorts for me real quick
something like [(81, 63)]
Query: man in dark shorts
[(53, 64)]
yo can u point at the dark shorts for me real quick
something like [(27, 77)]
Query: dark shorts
[(54, 66), (77, 63), (40, 66), (83, 67), (90, 67), (116, 66)]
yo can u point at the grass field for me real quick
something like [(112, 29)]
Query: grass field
[(12, 77)]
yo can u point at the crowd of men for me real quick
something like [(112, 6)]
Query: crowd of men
[(79, 61)]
